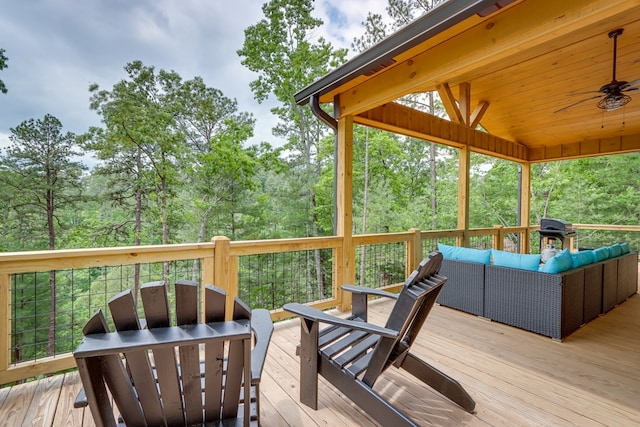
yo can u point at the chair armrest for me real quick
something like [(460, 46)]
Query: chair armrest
[(102, 344), (321, 316), (262, 327), (361, 290)]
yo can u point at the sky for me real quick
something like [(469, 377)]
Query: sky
[(57, 48)]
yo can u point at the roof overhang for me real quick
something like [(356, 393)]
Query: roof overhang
[(384, 53), (508, 66)]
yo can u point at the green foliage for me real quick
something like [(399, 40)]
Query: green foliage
[(280, 51), (493, 192), (596, 190), (3, 65), (402, 12), (40, 178)]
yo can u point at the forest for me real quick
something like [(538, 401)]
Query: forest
[(172, 164)]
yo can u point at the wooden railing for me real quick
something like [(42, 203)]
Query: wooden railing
[(218, 263)]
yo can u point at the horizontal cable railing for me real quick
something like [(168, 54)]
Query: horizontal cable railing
[(48, 295)]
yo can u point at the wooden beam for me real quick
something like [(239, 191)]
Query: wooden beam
[(597, 147), (450, 103), (515, 33), (478, 113), (407, 121), (464, 102)]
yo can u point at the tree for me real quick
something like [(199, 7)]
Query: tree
[(3, 65), (402, 12), (39, 170), (42, 178), (279, 50), (216, 166), (140, 145), (140, 136)]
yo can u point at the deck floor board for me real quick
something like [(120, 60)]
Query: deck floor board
[(516, 377)]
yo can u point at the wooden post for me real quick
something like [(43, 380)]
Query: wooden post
[(414, 251), (498, 237), (225, 271), (464, 164), (346, 272), (208, 278), (5, 322), (525, 203)]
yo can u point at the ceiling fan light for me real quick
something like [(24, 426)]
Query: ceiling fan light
[(613, 102)]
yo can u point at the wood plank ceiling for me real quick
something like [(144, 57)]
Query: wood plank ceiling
[(519, 66)]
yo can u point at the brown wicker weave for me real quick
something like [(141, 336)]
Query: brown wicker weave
[(549, 304), (554, 305), (592, 291), (465, 286)]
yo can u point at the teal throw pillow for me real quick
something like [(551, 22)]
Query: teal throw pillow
[(559, 263), (601, 254), (625, 247), (522, 261), (465, 254), (582, 258), (615, 250)]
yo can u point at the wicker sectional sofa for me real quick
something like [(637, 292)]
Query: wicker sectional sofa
[(553, 305)]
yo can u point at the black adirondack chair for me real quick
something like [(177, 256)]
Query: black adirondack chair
[(176, 386), (351, 353)]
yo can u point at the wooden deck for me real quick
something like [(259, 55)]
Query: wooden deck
[(516, 377)]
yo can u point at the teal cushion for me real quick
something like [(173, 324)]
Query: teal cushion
[(615, 250), (582, 258), (465, 254), (559, 263), (601, 254), (625, 247), (521, 261)]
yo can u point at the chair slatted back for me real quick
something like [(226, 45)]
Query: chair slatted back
[(414, 303), (168, 388)]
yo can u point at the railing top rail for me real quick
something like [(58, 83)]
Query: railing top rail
[(22, 262), (380, 238), (255, 247), (121, 250), (608, 227)]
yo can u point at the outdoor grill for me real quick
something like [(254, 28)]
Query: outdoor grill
[(553, 230)]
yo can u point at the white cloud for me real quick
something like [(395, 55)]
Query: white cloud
[(57, 48), (343, 20), (4, 141)]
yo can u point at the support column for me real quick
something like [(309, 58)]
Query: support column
[(464, 165), (345, 267), (525, 206)]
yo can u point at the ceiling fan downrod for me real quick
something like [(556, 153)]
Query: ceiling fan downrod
[(614, 35)]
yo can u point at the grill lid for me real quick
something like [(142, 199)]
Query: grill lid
[(551, 224)]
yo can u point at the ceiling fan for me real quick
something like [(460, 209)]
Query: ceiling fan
[(612, 94)]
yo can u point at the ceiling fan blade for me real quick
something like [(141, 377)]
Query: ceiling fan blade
[(582, 93), (631, 84), (579, 102)]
